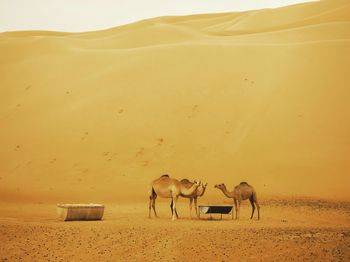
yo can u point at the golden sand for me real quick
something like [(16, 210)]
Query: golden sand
[(289, 230), (259, 96)]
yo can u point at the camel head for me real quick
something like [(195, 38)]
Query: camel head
[(202, 189), (220, 186), (197, 183)]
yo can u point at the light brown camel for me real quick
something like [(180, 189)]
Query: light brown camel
[(193, 197), (241, 192), (167, 187)]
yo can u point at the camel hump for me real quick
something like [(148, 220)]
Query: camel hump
[(185, 180), (165, 175), (244, 183)]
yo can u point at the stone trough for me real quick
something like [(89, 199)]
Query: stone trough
[(71, 212)]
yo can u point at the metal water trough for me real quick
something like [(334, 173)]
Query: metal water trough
[(215, 209), (70, 212)]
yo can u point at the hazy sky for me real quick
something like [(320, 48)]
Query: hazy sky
[(86, 15)]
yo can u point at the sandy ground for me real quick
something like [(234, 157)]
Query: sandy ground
[(289, 230)]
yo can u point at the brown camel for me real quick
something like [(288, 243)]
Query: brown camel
[(167, 187), (241, 192), (193, 197)]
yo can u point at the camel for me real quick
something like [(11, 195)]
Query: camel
[(193, 197), (241, 192), (167, 187)]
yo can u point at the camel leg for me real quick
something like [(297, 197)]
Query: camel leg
[(149, 207), (258, 207), (253, 206), (174, 207), (196, 207), (154, 205), (171, 207), (177, 216), (191, 201), (239, 208), (236, 207)]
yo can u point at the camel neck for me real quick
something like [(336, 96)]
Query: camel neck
[(226, 193), (188, 191), (202, 191)]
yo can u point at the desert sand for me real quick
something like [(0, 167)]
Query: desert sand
[(291, 229), (259, 96)]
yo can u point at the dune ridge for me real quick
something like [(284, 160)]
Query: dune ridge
[(260, 96)]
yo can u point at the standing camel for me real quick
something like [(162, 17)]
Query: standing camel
[(241, 192), (193, 197), (167, 187)]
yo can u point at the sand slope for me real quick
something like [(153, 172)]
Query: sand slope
[(260, 96)]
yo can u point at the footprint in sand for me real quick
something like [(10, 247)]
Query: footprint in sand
[(160, 141), (251, 81), (85, 135), (194, 111), (140, 152), (111, 156), (145, 163)]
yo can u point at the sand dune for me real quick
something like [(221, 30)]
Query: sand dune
[(259, 96)]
